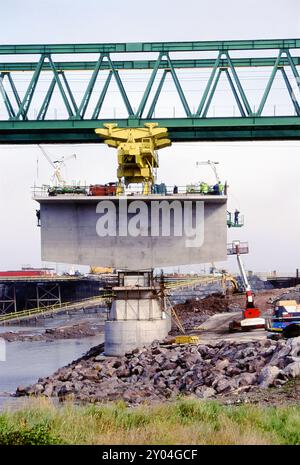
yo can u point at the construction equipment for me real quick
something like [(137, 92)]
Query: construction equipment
[(57, 165), (137, 157), (218, 188), (251, 314), (285, 319), (233, 284), (187, 339), (212, 164), (100, 270), (233, 221), (60, 190), (109, 188)]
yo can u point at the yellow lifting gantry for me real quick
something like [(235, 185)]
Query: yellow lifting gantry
[(137, 156)]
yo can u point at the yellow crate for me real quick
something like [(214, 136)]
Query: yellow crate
[(187, 340), (286, 303)]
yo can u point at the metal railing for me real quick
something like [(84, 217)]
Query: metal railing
[(232, 223), (243, 248), (198, 281), (53, 308), (43, 191)]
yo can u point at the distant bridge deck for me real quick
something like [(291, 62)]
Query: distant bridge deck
[(39, 279)]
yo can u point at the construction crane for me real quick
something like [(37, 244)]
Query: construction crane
[(212, 164), (251, 314), (137, 152), (236, 223), (57, 177)]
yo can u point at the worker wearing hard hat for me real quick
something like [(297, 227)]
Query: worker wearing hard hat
[(218, 189), (221, 188), (204, 188), (236, 217)]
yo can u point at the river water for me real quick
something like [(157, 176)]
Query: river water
[(27, 361)]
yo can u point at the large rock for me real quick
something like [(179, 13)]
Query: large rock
[(65, 389), (225, 385), (48, 391), (246, 379), (292, 370), (22, 390), (205, 392), (222, 364), (233, 370), (282, 353), (268, 375), (295, 346)]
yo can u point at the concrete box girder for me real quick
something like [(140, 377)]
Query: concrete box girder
[(69, 232)]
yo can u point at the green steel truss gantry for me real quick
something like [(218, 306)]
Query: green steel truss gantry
[(21, 127)]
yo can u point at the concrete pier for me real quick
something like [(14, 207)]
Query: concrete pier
[(137, 316)]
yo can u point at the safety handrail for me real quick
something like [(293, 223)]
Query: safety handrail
[(51, 308), (168, 190)]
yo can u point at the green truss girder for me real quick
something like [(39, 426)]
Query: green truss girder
[(193, 126), (146, 64), (180, 129), (131, 47)]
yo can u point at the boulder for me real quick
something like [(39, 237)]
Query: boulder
[(292, 370), (168, 365), (48, 390), (205, 392), (123, 372), (295, 346), (283, 352), (66, 388), (246, 379), (222, 364), (268, 375), (38, 389), (225, 385), (233, 370), (22, 391)]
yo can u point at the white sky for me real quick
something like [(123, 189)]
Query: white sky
[(263, 177)]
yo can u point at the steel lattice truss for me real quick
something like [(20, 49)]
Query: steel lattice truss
[(19, 127)]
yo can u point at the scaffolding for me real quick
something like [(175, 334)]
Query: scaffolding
[(8, 302)]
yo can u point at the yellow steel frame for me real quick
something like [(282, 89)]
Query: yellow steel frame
[(137, 157)]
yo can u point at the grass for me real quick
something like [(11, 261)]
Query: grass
[(185, 421)]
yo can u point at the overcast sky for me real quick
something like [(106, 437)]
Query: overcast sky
[(263, 177)]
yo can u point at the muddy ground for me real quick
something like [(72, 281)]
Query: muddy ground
[(289, 394), (194, 312), (79, 330)]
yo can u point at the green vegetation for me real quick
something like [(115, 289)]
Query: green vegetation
[(185, 421)]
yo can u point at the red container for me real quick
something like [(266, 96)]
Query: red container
[(25, 273), (111, 189), (101, 189), (97, 189)]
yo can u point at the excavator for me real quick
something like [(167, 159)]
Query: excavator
[(251, 314)]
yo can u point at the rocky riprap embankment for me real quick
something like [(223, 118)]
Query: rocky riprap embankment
[(161, 372)]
